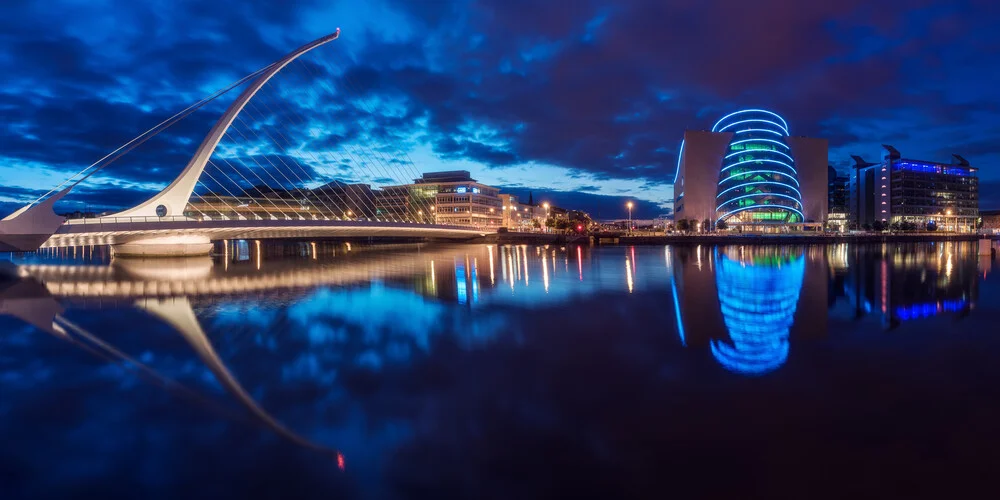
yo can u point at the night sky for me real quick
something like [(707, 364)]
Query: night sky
[(582, 101)]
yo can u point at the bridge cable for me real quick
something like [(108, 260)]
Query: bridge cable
[(363, 166), (274, 190), (414, 171), (281, 160), (150, 133), (380, 157), (249, 184), (306, 197), (212, 192), (358, 164), (352, 202), (259, 178), (238, 186), (323, 191)]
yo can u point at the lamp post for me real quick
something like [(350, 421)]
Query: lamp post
[(546, 207), (948, 213), (629, 205)]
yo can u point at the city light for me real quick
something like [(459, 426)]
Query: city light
[(629, 205)]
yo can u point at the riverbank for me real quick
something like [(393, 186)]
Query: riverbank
[(784, 239), (721, 239)]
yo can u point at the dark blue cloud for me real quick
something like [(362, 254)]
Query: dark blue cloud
[(601, 89)]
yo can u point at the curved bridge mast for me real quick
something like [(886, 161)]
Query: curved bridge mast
[(174, 198)]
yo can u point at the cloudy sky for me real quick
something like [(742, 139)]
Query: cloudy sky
[(582, 101)]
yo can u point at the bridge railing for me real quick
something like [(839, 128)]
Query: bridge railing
[(100, 221), (115, 220), (180, 218)]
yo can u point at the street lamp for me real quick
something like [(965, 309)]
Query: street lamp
[(546, 207), (948, 213), (629, 205)]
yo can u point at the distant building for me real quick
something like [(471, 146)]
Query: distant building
[(750, 173), (336, 199), (838, 196), (991, 221), (458, 199), (901, 190), (507, 210)]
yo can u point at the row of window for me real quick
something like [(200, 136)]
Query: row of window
[(951, 179), (970, 212)]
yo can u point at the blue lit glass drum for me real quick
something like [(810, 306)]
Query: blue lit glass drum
[(758, 183)]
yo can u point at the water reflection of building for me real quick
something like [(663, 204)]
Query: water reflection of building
[(904, 282), (758, 295), (742, 302)]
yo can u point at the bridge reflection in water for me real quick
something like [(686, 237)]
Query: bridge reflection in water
[(747, 306)]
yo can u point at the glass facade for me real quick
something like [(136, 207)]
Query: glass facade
[(924, 191), (758, 183)]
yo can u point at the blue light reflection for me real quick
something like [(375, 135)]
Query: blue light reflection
[(758, 296)]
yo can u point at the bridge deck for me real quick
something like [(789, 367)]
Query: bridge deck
[(106, 231)]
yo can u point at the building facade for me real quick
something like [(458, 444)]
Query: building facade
[(838, 197), (990, 221), (901, 191), (751, 174), (460, 200), (508, 209)]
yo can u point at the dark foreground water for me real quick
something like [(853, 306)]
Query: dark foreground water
[(324, 371)]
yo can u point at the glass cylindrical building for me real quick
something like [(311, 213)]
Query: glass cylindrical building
[(758, 183)]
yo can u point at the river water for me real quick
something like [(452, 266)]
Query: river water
[(326, 370)]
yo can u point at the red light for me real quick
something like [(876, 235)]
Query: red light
[(340, 460), (579, 227)]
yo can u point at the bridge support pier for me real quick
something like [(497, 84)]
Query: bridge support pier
[(164, 246), (985, 246)]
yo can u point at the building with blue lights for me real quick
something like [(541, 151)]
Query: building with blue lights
[(900, 190), (750, 173)]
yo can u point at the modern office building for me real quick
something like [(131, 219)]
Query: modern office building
[(751, 174), (460, 200), (901, 190), (838, 197)]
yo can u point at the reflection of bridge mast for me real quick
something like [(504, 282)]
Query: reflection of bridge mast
[(758, 292), (177, 312), (30, 301)]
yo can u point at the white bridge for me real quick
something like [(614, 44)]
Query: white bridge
[(172, 224)]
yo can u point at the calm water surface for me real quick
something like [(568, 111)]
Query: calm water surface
[(322, 370)]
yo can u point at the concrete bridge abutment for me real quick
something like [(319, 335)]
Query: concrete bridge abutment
[(165, 246)]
